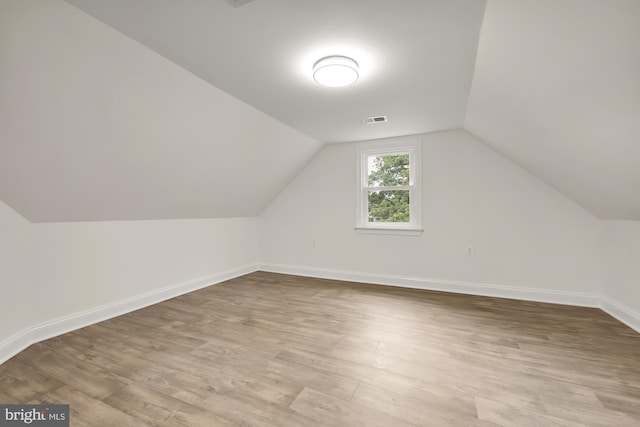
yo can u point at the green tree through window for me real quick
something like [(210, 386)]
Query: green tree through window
[(387, 204), (388, 198)]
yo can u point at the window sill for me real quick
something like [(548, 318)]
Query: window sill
[(389, 230)]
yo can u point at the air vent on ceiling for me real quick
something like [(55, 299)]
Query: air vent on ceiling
[(375, 119), (238, 3)]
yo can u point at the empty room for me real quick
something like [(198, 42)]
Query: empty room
[(320, 213)]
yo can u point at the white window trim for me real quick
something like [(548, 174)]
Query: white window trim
[(411, 145)]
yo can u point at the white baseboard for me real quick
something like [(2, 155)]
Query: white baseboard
[(482, 289), (23, 339), (622, 313), (613, 308)]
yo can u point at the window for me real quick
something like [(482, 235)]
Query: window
[(389, 199)]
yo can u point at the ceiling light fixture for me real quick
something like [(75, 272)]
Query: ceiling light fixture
[(335, 71)]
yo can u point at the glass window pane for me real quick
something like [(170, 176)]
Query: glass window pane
[(388, 206), (388, 171)]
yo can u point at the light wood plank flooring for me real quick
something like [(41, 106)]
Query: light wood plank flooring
[(276, 350)]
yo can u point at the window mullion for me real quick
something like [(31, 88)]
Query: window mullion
[(394, 188)]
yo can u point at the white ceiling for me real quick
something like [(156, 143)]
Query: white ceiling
[(130, 120), (94, 126), (557, 90), (416, 56)]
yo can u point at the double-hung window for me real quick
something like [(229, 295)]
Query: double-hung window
[(389, 191)]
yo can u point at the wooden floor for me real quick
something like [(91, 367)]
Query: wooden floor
[(277, 350)]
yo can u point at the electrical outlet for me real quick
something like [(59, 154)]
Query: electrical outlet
[(469, 250), (314, 243)]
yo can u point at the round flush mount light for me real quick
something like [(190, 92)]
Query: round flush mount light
[(335, 71)]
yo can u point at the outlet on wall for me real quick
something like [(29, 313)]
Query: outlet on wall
[(314, 243), (469, 250)]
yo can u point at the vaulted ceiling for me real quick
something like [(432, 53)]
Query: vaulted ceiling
[(557, 89), (416, 57), (142, 109), (94, 126)]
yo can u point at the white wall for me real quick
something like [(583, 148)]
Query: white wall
[(15, 261), (79, 266), (622, 267), (57, 277), (525, 233)]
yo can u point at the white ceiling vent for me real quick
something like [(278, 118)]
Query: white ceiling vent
[(238, 3), (375, 119)]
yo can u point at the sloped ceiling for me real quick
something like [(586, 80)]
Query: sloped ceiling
[(416, 56), (194, 108), (94, 126), (557, 90)]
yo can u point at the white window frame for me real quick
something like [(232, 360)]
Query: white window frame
[(405, 145)]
